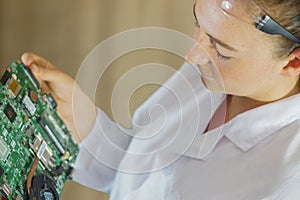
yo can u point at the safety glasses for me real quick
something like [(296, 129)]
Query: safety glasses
[(255, 16)]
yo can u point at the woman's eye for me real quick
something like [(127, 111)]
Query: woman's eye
[(221, 56)]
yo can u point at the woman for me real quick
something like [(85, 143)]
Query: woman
[(238, 140)]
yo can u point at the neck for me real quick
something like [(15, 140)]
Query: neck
[(238, 104)]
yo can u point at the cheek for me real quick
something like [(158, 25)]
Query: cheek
[(245, 77)]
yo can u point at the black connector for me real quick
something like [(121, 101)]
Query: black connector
[(31, 76)]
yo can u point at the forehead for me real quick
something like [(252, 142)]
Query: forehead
[(214, 21)]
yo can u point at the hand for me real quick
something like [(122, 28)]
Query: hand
[(74, 106)]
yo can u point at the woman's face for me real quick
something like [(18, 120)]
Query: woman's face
[(232, 55)]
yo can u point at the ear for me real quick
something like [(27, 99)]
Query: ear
[(292, 69)]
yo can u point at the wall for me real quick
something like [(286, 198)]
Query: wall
[(66, 31)]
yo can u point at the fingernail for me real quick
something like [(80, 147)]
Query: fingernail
[(24, 58), (34, 68)]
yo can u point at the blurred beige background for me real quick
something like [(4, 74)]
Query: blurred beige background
[(65, 31)]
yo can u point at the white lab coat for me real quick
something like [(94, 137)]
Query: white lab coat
[(165, 156)]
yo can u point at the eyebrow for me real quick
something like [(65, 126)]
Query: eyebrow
[(223, 44)]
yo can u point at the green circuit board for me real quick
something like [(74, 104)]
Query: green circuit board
[(36, 149)]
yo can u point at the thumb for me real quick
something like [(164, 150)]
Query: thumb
[(45, 74), (30, 58)]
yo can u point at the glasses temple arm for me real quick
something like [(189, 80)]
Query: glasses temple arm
[(270, 26)]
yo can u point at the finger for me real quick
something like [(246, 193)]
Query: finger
[(46, 74), (29, 58), (45, 88)]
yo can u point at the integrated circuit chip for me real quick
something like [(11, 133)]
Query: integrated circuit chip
[(14, 86), (4, 150), (29, 105), (10, 113)]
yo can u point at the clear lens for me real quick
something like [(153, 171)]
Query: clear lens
[(238, 8), (248, 11)]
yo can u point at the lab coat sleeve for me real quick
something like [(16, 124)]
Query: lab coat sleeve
[(100, 153)]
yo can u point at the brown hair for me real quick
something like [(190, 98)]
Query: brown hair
[(287, 14)]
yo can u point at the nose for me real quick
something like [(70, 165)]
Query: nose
[(197, 53)]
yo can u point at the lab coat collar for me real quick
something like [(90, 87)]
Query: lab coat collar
[(255, 125), (249, 128)]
